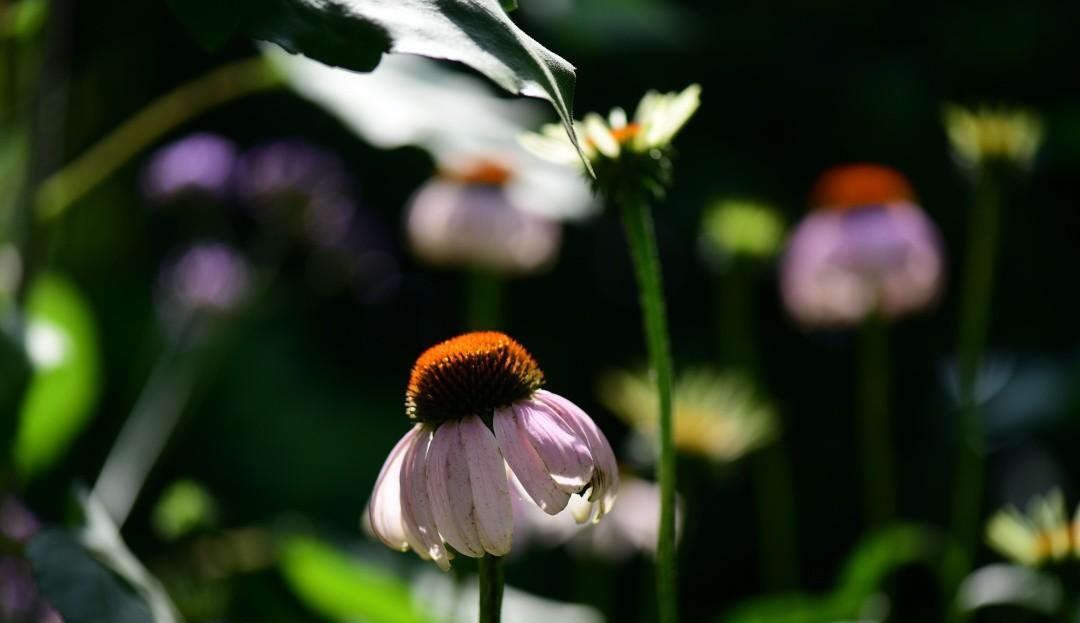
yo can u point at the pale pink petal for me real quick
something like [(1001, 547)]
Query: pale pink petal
[(491, 492), (526, 464), (564, 453), (420, 527), (605, 481), (384, 509), (451, 491)]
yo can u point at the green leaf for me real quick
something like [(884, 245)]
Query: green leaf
[(62, 343), (343, 588), (355, 33), (78, 586)]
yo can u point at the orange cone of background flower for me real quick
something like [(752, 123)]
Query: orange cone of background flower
[(866, 247)]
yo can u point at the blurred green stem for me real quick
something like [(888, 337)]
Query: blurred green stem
[(771, 470), (483, 303), (491, 588), (641, 236), (166, 113), (974, 320), (875, 427)]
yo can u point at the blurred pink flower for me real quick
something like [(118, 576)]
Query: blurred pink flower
[(866, 248), (197, 166), (480, 411), (466, 218)]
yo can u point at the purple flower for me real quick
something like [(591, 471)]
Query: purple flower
[(467, 218), (447, 482), (206, 277), (846, 261), (197, 166), (299, 184)]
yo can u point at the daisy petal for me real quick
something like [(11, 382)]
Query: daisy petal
[(451, 491), (490, 489), (384, 509), (527, 465), (418, 518)]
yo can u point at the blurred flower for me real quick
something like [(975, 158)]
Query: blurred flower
[(300, 186), (446, 481), (1044, 534), (985, 134), (198, 166), (20, 600), (465, 218), (867, 248), (715, 416), (208, 277), (184, 507), (737, 228), (633, 525), (623, 151), (409, 100)]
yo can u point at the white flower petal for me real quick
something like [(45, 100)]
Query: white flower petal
[(599, 135), (451, 491), (490, 488), (384, 509), (527, 465)]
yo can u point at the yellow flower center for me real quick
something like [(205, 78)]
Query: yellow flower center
[(471, 374)]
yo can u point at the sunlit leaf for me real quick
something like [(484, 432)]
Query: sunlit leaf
[(355, 33), (343, 588), (78, 585), (62, 344)]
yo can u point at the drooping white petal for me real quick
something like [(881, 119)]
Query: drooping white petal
[(384, 509), (527, 465), (490, 489), (605, 480), (565, 454), (451, 491), (417, 515), (617, 118)]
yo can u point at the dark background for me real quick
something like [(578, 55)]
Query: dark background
[(306, 400)]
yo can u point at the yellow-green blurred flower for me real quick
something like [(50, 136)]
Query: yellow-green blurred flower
[(1044, 534), (732, 228), (988, 133), (716, 416), (184, 508)]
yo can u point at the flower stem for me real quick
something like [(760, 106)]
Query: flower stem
[(770, 467), (974, 320), (183, 103), (877, 460), (491, 588), (483, 303), (641, 237)]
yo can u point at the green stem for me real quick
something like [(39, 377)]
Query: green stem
[(770, 469), (483, 303), (974, 321), (875, 425), (491, 588), (642, 240), (167, 112)]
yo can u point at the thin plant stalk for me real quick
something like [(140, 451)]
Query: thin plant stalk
[(974, 322), (483, 300), (167, 112), (491, 588), (875, 425), (770, 467), (641, 236)]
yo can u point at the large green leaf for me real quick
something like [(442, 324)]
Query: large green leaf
[(343, 588), (78, 586), (61, 339), (355, 33), (90, 576)]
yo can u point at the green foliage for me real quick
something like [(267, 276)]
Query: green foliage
[(345, 589), (184, 508), (873, 560), (78, 586), (355, 33), (62, 343)]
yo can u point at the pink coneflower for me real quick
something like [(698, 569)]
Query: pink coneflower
[(479, 411), (866, 248)]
